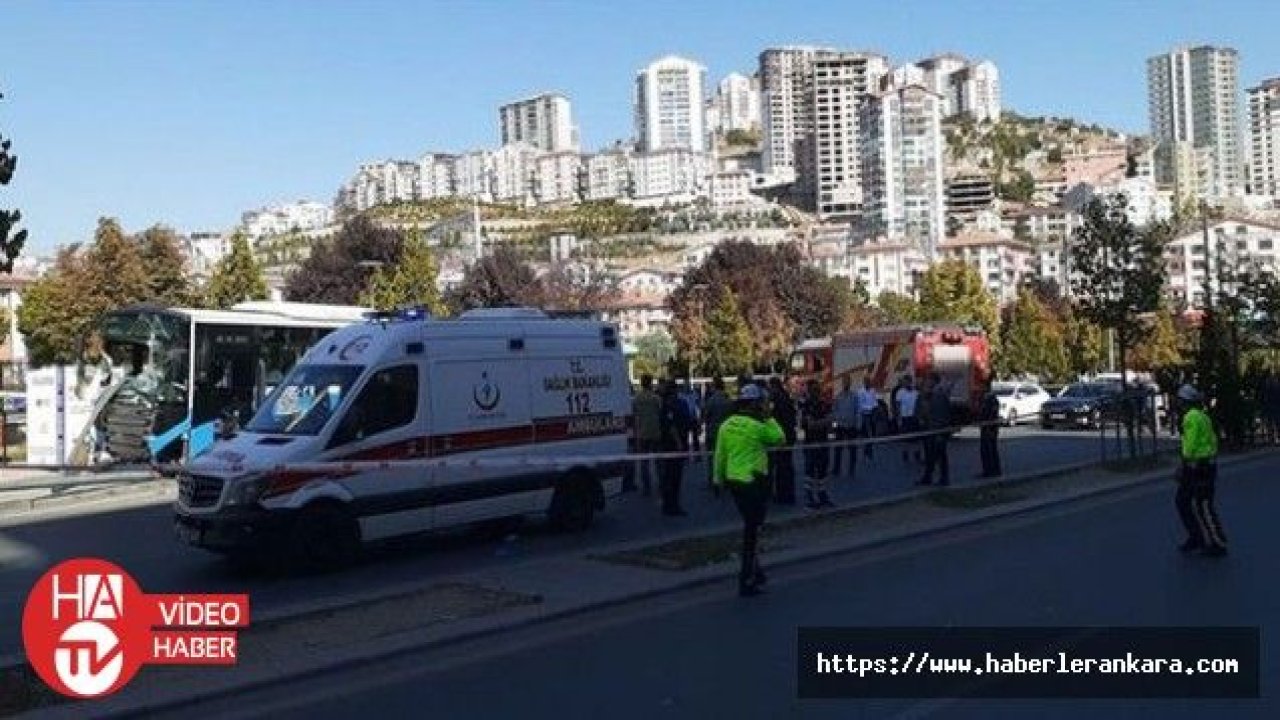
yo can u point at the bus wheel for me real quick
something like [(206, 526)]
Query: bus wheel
[(573, 506), (324, 537)]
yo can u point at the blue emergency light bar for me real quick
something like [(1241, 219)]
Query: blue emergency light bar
[(408, 314)]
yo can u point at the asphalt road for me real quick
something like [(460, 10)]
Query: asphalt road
[(141, 539), (707, 654)]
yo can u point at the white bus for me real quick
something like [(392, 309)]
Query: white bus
[(169, 375)]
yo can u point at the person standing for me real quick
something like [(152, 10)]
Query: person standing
[(718, 408), (815, 413), (989, 433), (741, 464), (937, 423), (672, 439), (867, 404), (1198, 478), (782, 467), (845, 415), (906, 399), (646, 412), (691, 412)]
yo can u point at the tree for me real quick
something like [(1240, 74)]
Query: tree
[(953, 291), (1085, 345), (114, 266), (500, 279), (1031, 341), (56, 312), (338, 270), (236, 278), (654, 353), (728, 349), (10, 247), (410, 282), (1118, 273), (167, 280), (565, 289), (897, 309), (1163, 347)]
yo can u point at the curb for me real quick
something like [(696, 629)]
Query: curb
[(702, 577), (52, 501)]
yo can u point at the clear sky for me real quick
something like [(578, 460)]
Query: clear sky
[(191, 112)]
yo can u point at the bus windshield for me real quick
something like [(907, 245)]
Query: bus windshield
[(304, 402)]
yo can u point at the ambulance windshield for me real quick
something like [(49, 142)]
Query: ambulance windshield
[(304, 402)]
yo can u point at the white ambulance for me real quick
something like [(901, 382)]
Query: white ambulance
[(535, 401)]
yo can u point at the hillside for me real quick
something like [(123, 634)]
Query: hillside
[(1017, 151)]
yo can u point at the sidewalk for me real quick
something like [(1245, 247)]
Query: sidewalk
[(448, 610)]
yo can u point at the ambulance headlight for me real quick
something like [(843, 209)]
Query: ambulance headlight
[(247, 491)]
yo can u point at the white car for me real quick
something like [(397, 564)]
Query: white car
[(1019, 400)]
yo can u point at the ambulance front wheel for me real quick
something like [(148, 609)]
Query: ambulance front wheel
[(573, 506), (325, 536)]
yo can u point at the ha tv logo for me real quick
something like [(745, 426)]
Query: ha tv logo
[(88, 628)]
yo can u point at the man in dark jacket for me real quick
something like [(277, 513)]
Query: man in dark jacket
[(717, 410), (673, 438), (815, 412), (938, 418), (782, 466), (989, 433)]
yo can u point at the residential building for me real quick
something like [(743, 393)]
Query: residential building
[(1003, 262), (1051, 223), (902, 166), (731, 189), (557, 178), (968, 195), (966, 87), (1264, 138), (1189, 263), (435, 176), (737, 103), (1050, 262), (279, 219), (514, 168), (670, 106), (473, 175), (841, 81), (786, 84), (674, 175), (13, 348), (637, 315), (1192, 96), (886, 265), (204, 250), (1146, 202), (654, 281), (607, 175), (544, 121)]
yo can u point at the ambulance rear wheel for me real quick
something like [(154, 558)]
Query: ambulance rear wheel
[(325, 536), (573, 506)]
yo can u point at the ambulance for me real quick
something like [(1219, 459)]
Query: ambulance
[(499, 413)]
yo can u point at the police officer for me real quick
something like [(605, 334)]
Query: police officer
[(742, 465), (1198, 478)]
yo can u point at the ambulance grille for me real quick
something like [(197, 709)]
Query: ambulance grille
[(199, 490)]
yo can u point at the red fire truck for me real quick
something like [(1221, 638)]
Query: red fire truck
[(961, 355)]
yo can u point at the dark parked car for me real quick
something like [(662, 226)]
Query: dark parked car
[(1081, 405)]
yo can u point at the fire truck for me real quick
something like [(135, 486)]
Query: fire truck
[(961, 355)]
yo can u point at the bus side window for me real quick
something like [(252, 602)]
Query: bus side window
[(388, 401)]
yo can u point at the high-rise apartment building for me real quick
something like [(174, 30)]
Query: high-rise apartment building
[(1192, 102), (786, 85), (737, 103), (1264, 138), (902, 166), (841, 82), (670, 106), (544, 121)]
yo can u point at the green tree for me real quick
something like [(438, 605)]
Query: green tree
[(410, 282), (236, 278), (1031, 341), (654, 353), (57, 311), (728, 348), (168, 282), (1163, 347), (116, 274), (1118, 273), (1085, 345), (953, 291), (898, 309), (10, 246)]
